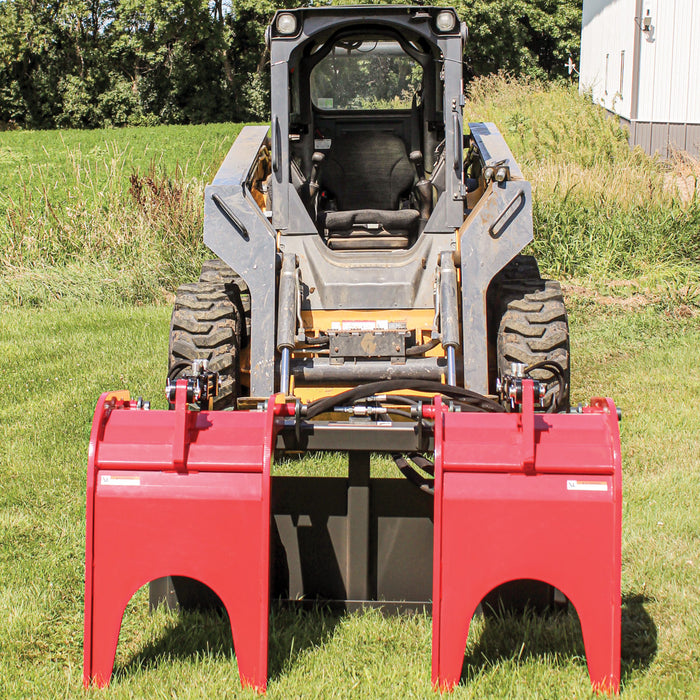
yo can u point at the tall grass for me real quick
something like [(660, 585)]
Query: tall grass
[(104, 215), (116, 215), (601, 209)]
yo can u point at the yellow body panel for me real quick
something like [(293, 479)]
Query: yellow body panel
[(420, 320), (315, 321)]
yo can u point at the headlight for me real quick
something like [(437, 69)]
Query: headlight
[(446, 21), (286, 23)]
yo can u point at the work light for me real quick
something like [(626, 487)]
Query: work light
[(446, 21), (286, 23)]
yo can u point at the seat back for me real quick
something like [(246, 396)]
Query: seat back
[(367, 170)]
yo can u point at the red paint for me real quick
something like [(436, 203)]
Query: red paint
[(188, 494), (178, 493), (503, 512)]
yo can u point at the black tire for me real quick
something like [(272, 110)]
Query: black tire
[(533, 327), (219, 273), (206, 324)]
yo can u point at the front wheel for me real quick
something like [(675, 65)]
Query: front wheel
[(534, 328), (206, 324)]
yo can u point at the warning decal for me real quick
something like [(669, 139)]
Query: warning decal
[(360, 325), (578, 485), (121, 480)]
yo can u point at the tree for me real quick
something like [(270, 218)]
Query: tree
[(533, 37), (86, 63)]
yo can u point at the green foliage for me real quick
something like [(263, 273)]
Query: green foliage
[(525, 37), (72, 216), (95, 63), (601, 209), (104, 214)]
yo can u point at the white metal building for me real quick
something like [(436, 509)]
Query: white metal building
[(641, 61)]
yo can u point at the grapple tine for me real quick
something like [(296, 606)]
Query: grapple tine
[(528, 496), (178, 493)]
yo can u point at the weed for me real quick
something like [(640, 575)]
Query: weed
[(601, 209), (122, 205)]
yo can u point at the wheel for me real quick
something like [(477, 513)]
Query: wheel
[(218, 272), (533, 326), (207, 324)]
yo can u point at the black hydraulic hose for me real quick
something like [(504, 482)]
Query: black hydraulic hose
[(425, 485), (178, 367), (557, 371), (407, 414), (317, 340), (399, 412), (422, 349), (471, 398), (403, 400), (425, 464)]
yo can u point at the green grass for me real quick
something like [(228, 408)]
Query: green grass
[(86, 264), (104, 215), (116, 215), (54, 366), (602, 211)]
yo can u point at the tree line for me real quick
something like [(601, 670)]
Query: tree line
[(96, 63)]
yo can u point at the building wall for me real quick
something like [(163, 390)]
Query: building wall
[(664, 137), (640, 59), (669, 62), (607, 53)]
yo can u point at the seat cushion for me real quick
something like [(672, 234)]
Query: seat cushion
[(399, 222), (367, 170), (369, 229)]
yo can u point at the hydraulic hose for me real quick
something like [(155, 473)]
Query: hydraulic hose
[(425, 485), (469, 398), (557, 371), (422, 349)]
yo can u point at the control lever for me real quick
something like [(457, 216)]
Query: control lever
[(416, 157), (424, 187), (316, 159)]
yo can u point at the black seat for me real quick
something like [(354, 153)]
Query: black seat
[(367, 174)]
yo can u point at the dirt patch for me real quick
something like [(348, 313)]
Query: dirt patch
[(630, 302), (637, 300), (685, 187), (683, 180)]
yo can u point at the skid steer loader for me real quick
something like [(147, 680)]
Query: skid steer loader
[(369, 295)]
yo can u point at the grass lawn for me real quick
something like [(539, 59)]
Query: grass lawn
[(97, 228), (58, 359)]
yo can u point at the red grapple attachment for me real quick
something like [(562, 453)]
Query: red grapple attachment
[(528, 496), (534, 496), (178, 493)]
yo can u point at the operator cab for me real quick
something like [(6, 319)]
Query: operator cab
[(366, 128)]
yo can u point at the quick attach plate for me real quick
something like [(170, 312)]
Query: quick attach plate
[(348, 345)]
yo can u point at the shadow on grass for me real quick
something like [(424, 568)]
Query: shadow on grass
[(520, 636), (293, 631), (639, 635), (194, 633), (187, 634)]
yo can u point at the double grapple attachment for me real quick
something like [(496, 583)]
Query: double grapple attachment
[(369, 296)]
